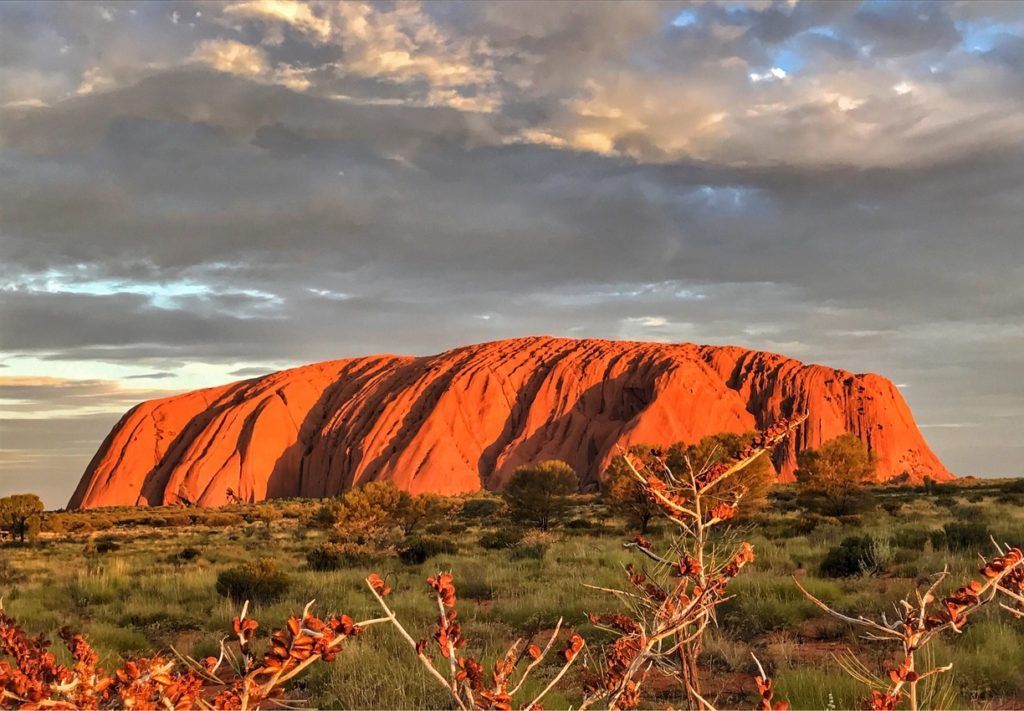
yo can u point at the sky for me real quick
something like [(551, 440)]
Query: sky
[(195, 193)]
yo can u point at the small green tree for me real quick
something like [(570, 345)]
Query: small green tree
[(368, 514), (21, 515), (539, 493), (418, 510), (625, 495), (836, 472)]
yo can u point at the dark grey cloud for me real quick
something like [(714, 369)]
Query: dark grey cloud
[(835, 181), (902, 28)]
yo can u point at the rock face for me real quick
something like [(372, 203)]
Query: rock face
[(463, 420)]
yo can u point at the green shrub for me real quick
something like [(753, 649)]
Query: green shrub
[(258, 582), (107, 545), (855, 555), (775, 529), (185, 555), (538, 494), (480, 507), (814, 501), (220, 520), (535, 551), (962, 536), (502, 538), (892, 506), (418, 549), (472, 587), (968, 512), (336, 556), (913, 539), (534, 545), (1016, 486)]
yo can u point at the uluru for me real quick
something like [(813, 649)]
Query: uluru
[(462, 420)]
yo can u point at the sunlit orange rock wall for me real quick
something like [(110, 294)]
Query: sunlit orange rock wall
[(463, 420)]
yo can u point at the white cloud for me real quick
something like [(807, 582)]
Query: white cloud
[(231, 56), (773, 74), (295, 14)]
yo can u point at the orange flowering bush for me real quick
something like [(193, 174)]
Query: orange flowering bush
[(466, 680), (31, 677), (671, 604)]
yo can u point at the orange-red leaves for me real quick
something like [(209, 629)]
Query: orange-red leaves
[(378, 584), (573, 647), (444, 586)]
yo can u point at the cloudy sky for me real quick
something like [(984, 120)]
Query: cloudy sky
[(194, 193)]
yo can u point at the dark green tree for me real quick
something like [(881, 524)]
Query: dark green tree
[(624, 494), (836, 474), (21, 515), (539, 493)]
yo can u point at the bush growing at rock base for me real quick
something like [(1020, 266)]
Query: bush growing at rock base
[(539, 493)]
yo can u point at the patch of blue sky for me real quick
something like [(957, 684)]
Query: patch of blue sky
[(789, 61), (686, 18), (727, 197), (982, 36), (824, 31), (186, 376), (161, 294)]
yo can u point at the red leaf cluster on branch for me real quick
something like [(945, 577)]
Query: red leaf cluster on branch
[(31, 677), (467, 682)]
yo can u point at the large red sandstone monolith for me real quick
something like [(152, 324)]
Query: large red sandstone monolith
[(463, 420)]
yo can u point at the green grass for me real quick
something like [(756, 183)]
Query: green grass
[(141, 597)]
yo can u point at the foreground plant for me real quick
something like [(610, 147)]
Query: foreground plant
[(465, 679), (671, 605), (31, 677), (923, 620)]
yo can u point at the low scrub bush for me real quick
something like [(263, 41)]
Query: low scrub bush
[(911, 539), (534, 546), (962, 536), (440, 528), (775, 529), (855, 555), (480, 507), (502, 538), (892, 506), (338, 556), (188, 554), (259, 582), (107, 545), (220, 520), (418, 549)]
